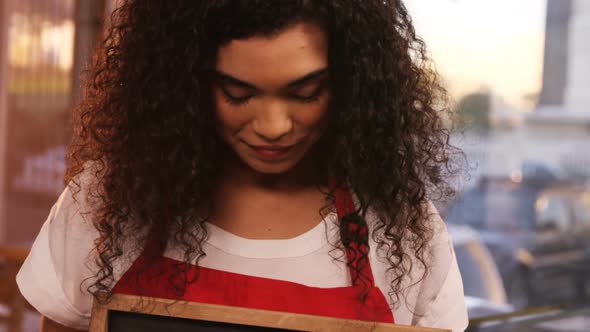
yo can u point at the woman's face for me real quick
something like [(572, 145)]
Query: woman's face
[(271, 96)]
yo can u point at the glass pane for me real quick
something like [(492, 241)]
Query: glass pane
[(518, 75), (40, 59), (552, 213), (582, 208), (471, 271)]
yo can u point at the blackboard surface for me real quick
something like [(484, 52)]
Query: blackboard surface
[(119, 321)]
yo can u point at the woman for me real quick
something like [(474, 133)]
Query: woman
[(265, 154)]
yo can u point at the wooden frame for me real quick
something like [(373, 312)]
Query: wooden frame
[(235, 315)]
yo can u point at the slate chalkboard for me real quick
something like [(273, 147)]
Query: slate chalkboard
[(120, 321)]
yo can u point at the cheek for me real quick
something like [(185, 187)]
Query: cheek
[(229, 119), (315, 116)]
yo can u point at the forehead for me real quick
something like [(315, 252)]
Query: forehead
[(275, 60)]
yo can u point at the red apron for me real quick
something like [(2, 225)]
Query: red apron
[(233, 289)]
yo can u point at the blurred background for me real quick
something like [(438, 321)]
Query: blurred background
[(519, 76)]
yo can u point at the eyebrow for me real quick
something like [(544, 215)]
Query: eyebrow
[(299, 81)]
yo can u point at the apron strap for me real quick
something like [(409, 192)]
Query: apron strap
[(357, 254)]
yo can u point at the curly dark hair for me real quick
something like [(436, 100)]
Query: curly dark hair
[(146, 121)]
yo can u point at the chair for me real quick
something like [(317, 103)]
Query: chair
[(11, 259)]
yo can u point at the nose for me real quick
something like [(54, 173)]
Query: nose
[(273, 121)]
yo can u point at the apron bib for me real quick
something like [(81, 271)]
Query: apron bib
[(227, 288)]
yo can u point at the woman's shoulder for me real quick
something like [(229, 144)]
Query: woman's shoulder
[(61, 263), (437, 250), (431, 290), (50, 277)]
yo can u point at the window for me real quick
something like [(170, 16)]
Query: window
[(552, 213), (581, 207)]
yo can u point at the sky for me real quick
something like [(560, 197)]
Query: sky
[(485, 44)]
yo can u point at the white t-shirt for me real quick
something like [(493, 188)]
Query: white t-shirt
[(54, 276)]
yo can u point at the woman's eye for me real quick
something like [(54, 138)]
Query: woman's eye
[(236, 100), (308, 94), (235, 97)]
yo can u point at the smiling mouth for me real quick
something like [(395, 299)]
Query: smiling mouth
[(268, 152)]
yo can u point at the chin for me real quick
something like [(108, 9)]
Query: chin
[(271, 169)]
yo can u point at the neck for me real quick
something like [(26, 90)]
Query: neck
[(265, 206), (303, 176)]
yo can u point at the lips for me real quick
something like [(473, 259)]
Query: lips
[(267, 152)]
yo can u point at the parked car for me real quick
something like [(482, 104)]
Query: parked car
[(566, 320), (538, 231), (482, 284)]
